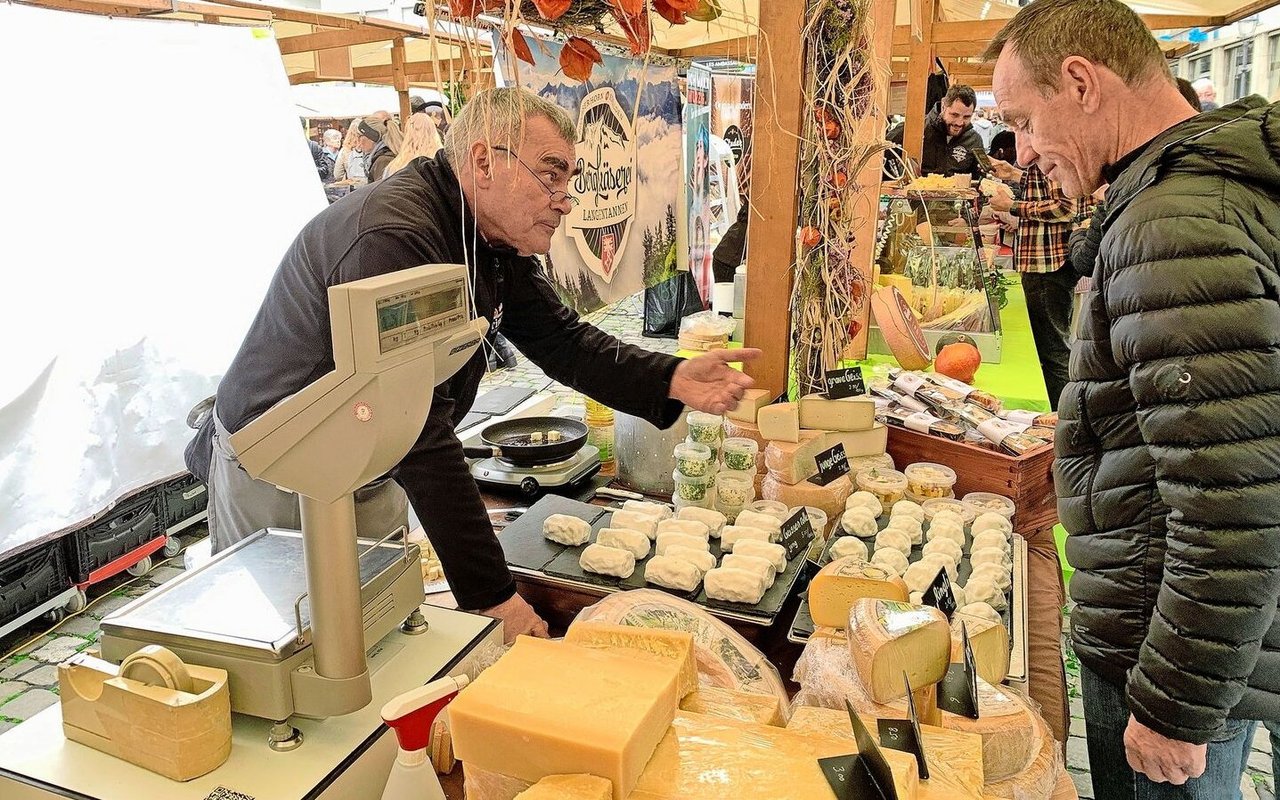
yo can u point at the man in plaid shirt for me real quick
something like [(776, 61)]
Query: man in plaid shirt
[(1044, 218)]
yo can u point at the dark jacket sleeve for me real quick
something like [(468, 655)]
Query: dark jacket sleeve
[(1084, 244), (623, 377), (1196, 324)]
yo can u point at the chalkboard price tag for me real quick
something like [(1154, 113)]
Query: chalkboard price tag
[(832, 464), (864, 775), (958, 692), (797, 534), (939, 594), (842, 383), (904, 734)]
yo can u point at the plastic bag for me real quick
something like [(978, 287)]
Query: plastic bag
[(708, 324)]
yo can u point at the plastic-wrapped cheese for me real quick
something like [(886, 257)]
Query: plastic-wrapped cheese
[(702, 559), (946, 547), (765, 522), (849, 546), (714, 520), (673, 646), (866, 501), (946, 530), (844, 581), (731, 534), (908, 508), (604, 560), (979, 610), (1039, 777), (685, 526), (829, 498), (761, 566), (887, 638), (986, 539), (734, 585), (983, 590), (893, 560), (569, 787), (761, 709), (635, 521), (657, 510), (567, 530), (908, 525), (989, 642), (948, 516), (740, 429), (991, 521), (990, 555), (791, 462), (625, 538), (776, 554), (894, 539), (673, 573), (666, 540), (859, 522)]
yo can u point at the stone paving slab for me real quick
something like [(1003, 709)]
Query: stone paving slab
[(10, 688), (59, 649), (106, 605), (17, 669), (46, 675), (80, 625), (27, 705)]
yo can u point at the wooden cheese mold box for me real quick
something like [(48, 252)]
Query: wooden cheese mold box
[(1027, 479)]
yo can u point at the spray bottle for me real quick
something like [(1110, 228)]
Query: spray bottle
[(411, 716)]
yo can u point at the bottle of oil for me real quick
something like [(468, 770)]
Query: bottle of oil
[(599, 419)]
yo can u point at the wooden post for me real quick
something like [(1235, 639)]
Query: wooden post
[(918, 69), (399, 81), (774, 206)]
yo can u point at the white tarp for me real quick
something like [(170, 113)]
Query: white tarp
[(142, 222)]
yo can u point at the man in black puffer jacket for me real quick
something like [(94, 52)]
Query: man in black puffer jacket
[(1168, 469)]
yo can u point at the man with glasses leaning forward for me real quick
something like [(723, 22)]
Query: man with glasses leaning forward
[(492, 199)]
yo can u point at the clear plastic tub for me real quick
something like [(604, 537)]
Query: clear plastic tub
[(817, 520), (740, 454), (705, 428), (692, 489), (932, 507), (714, 447), (986, 501), (692, 459), (680, 503), (773, 508), (888, 485), (735, 489), (926, 479), (918, 500)]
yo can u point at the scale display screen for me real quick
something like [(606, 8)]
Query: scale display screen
[(408, 317)]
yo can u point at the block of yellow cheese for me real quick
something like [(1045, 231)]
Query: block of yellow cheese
[(568, 787), (849, 414), (779, 422), (796, 460), (711, 758), (674, 646), (859, 444), (954, 759), (762, 709), (518, 719), (747, 409), (830, 498), (836, 587), (989, 642), (887, 639)]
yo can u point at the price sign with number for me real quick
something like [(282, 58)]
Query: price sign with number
[(842, 383)]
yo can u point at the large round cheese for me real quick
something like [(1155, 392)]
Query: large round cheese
[(901, 331), (1039, 777), (836, 587), (829, 498)]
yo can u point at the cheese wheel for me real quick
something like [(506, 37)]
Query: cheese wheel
[(567, 530), (666, 540), (673, 573), (946, 530), (795, 461), (731, 534), (627, 539), (991, 521), (990, 555), (859, 522), (779, 422), (861, 446), (747, 563), (946, 547), (1039, 777), (849, 546), (775, 553), (703, 560), (830, 498), (765, 522), (604, 560), (740, 429), (908, 525), (989, 642), (761, 709), (900, 329), (893, 560), (908, 508), (864, 500), (568, 787), (648, 509), (839, 584), (896, 540), (635, 521), (888, 638), (714, 520), (734, 585), (685, 526)]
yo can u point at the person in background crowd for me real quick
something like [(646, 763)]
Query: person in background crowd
[(322, 163), (1043, 219), (1002, 147), (1207, 93), (1189, 94), (332, 144), (949, 139), (985, 128), (439, 113), (422, 141), (1167, 476), (350, 163), (385, 137), (732, 249)]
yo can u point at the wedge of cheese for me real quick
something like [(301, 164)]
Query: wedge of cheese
[(517, 719), (794, 461), (738, 429), (829, 498), (840, 584), (887, 638), (989, 642), (747, 409), (849, 414), (762, 709), (860, 444), (1040, 775), (568, 787), (673, 646), (780, 422)]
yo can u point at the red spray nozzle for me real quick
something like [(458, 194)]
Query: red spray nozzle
[(412, 714)]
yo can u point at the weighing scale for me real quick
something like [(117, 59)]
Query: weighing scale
[(291, 614)]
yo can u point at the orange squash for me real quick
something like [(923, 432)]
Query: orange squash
[(959, 361)]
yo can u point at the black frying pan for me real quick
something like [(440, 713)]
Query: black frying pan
[(524, 443)]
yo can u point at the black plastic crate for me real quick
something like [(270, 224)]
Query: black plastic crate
[(131, 524), (31, 578), (180, 500)]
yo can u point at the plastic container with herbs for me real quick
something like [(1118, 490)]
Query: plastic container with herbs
[(740, 454), (705, 428), (692, 459), (734, 489), (693, 489)]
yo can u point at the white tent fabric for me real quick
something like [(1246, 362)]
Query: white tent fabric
[(134, 250), (338, 100)]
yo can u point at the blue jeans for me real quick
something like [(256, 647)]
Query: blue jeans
[(1106, 716), (1274, 727)]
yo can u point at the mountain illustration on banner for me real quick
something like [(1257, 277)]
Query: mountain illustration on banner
[(605, 186)]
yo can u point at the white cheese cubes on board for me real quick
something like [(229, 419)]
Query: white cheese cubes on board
[(776, 554), (635, 521), (731, 534), (765, 522), (1001, 576), (625, 538), (907, 508), (673, 573), (990, 555), (604, 560), (751, 564), (920, 575), (734, 585), (849, 546), (567, 530), (714, 520), (942, 562), (702, 559), (946, 547), (949, 517), (685, 526), (866, 501), (908, 525), (986, 539), (887, 638), (984, 590), (946, 530), (666, 540)]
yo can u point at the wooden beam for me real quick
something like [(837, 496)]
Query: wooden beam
[(327, 40), (399, 82), (737, 48), (771, 231), (1256, 7), (218, 11), (918, 69), (414, 72), (109, 8), (1177, 22)]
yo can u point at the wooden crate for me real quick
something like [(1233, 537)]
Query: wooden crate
[(1027, 480)]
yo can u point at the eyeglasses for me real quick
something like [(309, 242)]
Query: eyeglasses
[(556, 196)]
